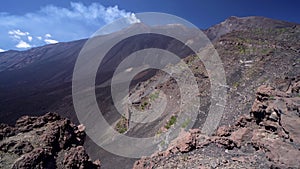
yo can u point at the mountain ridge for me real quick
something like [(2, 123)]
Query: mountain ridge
[(234, 23)]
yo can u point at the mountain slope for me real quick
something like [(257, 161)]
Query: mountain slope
[(267, 137), (254, 51)]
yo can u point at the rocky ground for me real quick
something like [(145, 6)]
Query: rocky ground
[(47, 141), (268, 137)]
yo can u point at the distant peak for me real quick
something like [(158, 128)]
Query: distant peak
[(234, 23), (232, 18)]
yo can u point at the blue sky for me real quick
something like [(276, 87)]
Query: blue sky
[(31, 23)]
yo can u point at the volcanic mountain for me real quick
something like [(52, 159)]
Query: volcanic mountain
[(254, 51)]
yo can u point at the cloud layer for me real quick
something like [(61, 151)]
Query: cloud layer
[(52, 24)]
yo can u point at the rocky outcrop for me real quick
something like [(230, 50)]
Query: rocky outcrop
[(76, 157), (279, 121), (48, 141), (268, 137)]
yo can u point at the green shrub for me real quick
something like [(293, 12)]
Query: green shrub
[(143, 105), (121, 126), (172, 121), (272, 98), (236, 84)]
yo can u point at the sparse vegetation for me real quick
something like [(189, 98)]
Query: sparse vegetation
[(265, 51), (122, 125), (236, 84), (272, 98), (144, 105), (184, 157), (154, 96), (171, 122), (186, 123), (242, 49), (162, 143), (159, 132), (281, 30)]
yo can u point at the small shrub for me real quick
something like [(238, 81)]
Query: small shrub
[(143, 105), (272, 98), (242, 49), (236, 84), (159, 132), (162, 143), (121, 126), (172, 121)]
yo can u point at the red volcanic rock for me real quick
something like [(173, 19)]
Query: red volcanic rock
[(76, 157), (186, 141), (48, 141), (267, 90), (238, 136), (35, 159), (223, 131)]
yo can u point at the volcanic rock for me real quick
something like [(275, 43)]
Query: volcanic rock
[(268, 137), (47, 141)]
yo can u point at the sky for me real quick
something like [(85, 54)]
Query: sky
[(32, 23)]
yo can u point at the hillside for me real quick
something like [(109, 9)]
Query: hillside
[(266, 137), (255, 51)]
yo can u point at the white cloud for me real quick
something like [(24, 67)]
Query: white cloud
[(17, 35), (47, 39), (2, 50), (65, 24), (133, 19), (23, 45), (48, 35), (18, 32), (29, 38), (50, 41), (113, 13)]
